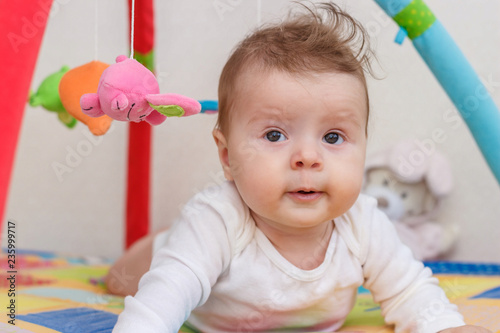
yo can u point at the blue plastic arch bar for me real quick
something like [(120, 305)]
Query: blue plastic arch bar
[(461, 83)]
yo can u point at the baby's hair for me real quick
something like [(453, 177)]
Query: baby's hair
[(321, 39)]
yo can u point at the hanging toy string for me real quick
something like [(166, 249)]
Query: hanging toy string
[(132, 24), (96, 28)]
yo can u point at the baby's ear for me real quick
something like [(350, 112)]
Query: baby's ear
[(221, 142)]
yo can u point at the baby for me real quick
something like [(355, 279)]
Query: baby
[(285, 242)]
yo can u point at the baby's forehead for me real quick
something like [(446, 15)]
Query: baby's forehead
[(277, 85), (250, 77), (255, 99)]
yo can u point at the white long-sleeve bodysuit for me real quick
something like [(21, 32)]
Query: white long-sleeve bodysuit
[(219, 272)]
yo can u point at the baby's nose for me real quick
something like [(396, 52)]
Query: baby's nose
[(307, 159)]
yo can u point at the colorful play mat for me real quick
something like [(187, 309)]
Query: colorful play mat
[(59, 293)]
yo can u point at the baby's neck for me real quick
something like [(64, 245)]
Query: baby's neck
[(304, 248)]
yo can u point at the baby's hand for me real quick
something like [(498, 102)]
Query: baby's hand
[(466, 329)]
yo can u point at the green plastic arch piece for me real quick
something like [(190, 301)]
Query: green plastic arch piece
[(415, 18)]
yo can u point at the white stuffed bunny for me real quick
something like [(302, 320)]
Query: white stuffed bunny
[(409, 184)]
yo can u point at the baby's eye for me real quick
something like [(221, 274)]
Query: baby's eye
[(275, 136), (333, 138)]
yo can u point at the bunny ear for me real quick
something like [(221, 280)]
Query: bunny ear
[(169, 110), (439, 177)]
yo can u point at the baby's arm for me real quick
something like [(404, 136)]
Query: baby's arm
[(165, 298), (409, 296), (181, 275)]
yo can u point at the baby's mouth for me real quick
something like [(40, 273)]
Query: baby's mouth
[(306, 195)]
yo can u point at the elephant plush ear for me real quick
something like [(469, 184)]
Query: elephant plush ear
[(169, 110), (173, 105)]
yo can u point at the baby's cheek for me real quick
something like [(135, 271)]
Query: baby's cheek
[(349, 189), (348, 199), (254, 195)]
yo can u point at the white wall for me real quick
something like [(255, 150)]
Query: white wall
[(83, 212)]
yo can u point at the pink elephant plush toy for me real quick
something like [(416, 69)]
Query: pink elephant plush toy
[(128, 91), (410, 181)]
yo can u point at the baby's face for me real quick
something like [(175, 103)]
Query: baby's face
[(296, 146)]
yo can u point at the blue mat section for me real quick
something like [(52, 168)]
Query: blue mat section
[(446, 267), (42, 254), (72, 259), (77, 320), (492, 293)]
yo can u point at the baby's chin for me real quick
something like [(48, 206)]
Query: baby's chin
[(301, 221)]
